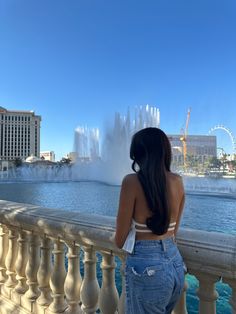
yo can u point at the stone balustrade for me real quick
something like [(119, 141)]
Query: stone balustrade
[(41, 271)]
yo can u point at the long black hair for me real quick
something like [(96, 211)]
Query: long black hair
[(150, 151)]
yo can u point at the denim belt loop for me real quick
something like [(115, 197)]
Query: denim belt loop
[(163, 245)]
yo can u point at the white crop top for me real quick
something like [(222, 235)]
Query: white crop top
[(130, 240)]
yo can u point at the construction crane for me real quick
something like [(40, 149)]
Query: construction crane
[(183, 138)]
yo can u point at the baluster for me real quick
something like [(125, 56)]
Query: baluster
[(232, 301), (58, 279), (180, 307), (3, 252), (44, 272), (207, 293), (32, 266), (89, 289), (121, 305), (20, 266), (108, 299), (73, 279), (10, 263)]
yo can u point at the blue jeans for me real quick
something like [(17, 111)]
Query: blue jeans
[(154, 277)]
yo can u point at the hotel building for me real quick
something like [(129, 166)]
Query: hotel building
[(19, 134), (200, 147)]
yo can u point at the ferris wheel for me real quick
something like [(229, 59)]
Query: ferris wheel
[(231, 135)]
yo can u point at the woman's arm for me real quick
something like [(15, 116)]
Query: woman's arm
[(125, 210), (181, 206)]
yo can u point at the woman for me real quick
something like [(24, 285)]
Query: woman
[(150, 208)]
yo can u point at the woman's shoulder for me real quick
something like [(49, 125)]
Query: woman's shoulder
[(174, 176), (130, 184), (176, 179), (130, 178)]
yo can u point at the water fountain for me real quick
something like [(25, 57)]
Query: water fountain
[(113, 162), (104, 156), (86, 143)]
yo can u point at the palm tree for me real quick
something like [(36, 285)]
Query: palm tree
[(65, 161)]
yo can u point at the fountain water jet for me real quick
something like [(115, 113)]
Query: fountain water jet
[(86, 142), (113, 163)]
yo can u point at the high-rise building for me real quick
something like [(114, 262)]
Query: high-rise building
[(19, 134)]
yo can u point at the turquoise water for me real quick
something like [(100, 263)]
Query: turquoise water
[(203, 211)]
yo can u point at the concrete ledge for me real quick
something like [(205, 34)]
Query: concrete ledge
[(209, 252)]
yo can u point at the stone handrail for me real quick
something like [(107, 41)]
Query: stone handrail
[(35, 277)]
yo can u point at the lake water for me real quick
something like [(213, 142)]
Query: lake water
[(207, 208)]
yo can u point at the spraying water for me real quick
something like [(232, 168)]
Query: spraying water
[(113, 161)]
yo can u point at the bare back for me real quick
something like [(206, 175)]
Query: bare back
[(175, 194), (133, 205)]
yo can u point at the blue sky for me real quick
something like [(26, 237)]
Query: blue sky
[(77, 62)]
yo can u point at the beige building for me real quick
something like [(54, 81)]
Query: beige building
[(73, 156), (200, 147), (48, 155), (19, 134)]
